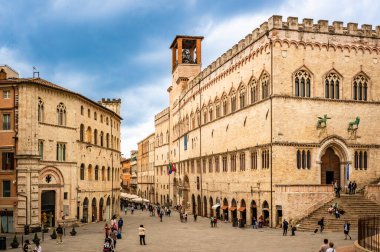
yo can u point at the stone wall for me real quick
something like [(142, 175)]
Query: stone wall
[(372, 192)]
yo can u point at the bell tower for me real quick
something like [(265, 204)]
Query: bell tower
[(186, 56)]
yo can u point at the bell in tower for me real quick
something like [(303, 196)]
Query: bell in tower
[(186, 50)]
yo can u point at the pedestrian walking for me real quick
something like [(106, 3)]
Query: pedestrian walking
[(331, 247), (195, 217), (212, 221), (125, 210), (120, 224), (161, 215), (132, 209), (354, 186), (186, 217), (38, 247), (324, 246), (142, 234), (293, 229), (113, 237), (349, 188), (346, 230), (285, 226), (254, 223), (321, 224), (59, 231), (215, 221), (106, 230), (27, 247)]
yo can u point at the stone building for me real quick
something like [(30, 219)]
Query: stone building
[(270, 124), (134, 154), (67, 153), (145, 168), (8, 197), (126, 174)]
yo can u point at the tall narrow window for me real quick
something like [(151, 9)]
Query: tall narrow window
[(61, 152), (265, 85), (6, 121), (217, 169), (107, 140), (242, 98), (254, 160), (297, 87), (303, 159), (360, 87), (233, 163), (360, 160), (210, 165), (365, 160), (308, 87), (233, 103), (327, 89), (96, 172), (298, 159), (96, 137), (242, 162), (41, 148), (95, 116), (82, 172), (81, 110), (7, 161), (211, 114), (61, 113), (332, 81), (108, 173), (81, 133), (6, 94), (308, 155), (224, 164), (40, 110), (356, 160), (6, 188), (217, 111), (101, 138), (224, 107)]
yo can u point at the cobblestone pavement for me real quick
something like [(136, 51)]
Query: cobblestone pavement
[(171, 235)]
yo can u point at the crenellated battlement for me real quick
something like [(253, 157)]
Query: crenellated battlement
[(291, 24), (162, 113)]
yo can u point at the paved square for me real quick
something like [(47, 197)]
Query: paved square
[(172, 235)]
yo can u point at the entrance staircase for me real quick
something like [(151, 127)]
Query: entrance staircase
[(354, 206)]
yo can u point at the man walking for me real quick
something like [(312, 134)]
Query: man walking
[(285, 226), (59, 233), (321, 223), (346, 230)]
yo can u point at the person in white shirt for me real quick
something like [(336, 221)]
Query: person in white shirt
[(331, 247), (142, 234), (38, 247)]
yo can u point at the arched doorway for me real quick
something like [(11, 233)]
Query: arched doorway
[(193, 204), (101, 203), (330, 167), (94, 210), (199, 203), (233, 212), (108, 208), (253, 210), (243, 212), (211, 207), (266, 213), (204, 206), (85, 210), (48, 207), (225, 209)]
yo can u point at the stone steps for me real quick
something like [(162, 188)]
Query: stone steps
[(354, 206)]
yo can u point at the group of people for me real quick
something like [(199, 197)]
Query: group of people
[(335, 210), (285, 227), (112, 233), (327, 246), (352, 187), (28, 247), (213, 221)]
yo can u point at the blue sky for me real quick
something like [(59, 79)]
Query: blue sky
[(120, 48)]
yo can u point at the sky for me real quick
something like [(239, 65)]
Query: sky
[(120, 48)]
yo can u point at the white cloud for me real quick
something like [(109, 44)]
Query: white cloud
[(139, 106), (95, 9), (13, 58), (221, 34)]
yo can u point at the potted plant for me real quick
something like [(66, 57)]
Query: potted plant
[(36, 239), (53, 235), (15, 242), (73, 232)]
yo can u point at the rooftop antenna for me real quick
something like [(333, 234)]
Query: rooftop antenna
[(36, 74)]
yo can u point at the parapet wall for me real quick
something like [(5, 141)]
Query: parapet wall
[(291, 24)]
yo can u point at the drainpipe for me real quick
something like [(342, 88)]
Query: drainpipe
[(271, 130)]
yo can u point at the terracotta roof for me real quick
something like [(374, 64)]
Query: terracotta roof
[(43, 82)]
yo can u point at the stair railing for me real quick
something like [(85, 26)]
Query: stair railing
[(314, 208)]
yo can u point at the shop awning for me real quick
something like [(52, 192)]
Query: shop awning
[(224, 207), (215, 206), (233, 208), (241, 209)]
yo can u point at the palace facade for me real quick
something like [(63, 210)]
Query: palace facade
[(270, 124), (66, 151)]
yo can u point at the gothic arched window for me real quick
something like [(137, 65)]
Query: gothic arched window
[(302, 83), (61, 114), (332, 85), (360, 87), (40, 110), (264, 81)]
